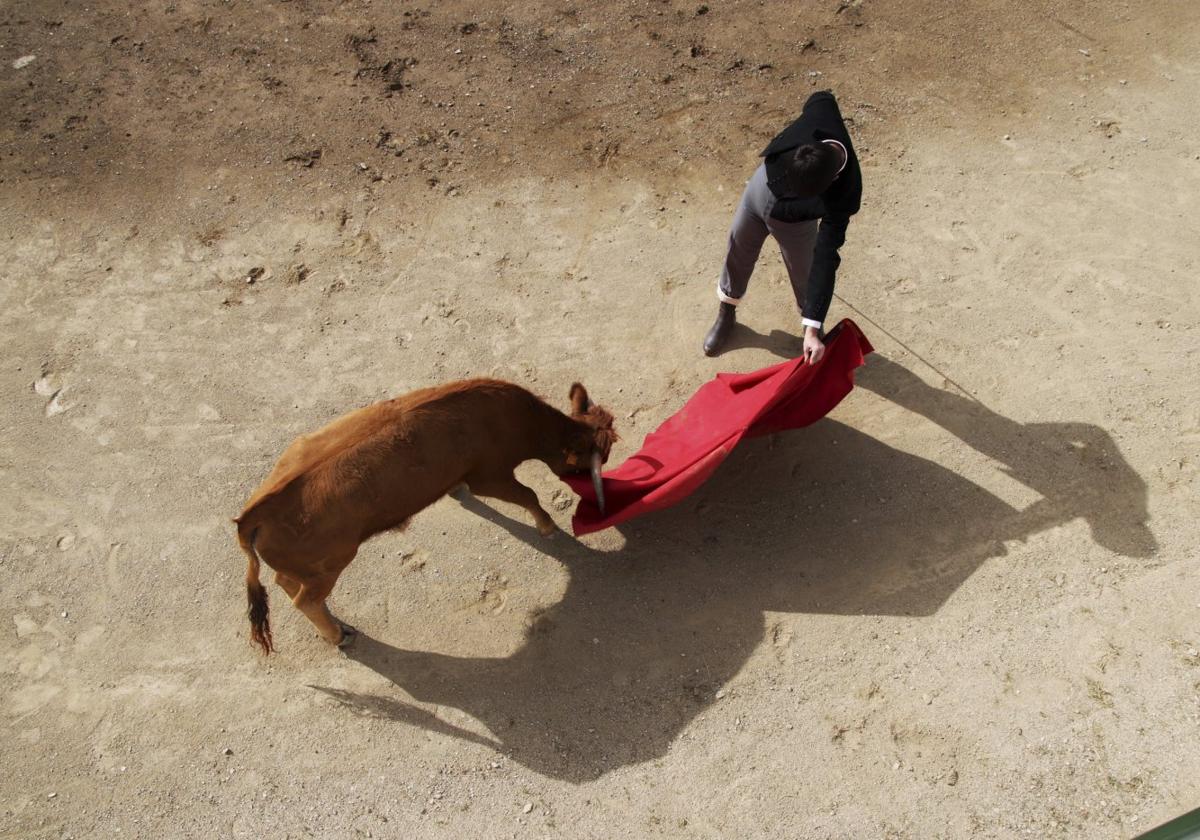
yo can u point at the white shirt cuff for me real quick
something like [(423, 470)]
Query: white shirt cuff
[(809, 322)]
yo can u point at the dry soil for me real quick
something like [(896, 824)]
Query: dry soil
[(965, 605)]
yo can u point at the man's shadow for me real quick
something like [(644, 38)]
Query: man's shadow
[(821, 520), (786, 345)]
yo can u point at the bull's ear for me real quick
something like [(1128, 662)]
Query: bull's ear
[(579, 399)]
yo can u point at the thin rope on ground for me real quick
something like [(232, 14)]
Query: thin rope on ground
[(918, 356)]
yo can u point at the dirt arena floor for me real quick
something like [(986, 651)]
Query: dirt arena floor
[(964, 605)]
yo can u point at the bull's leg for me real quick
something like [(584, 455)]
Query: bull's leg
[(508, 489), (289, 585), (310, 600)]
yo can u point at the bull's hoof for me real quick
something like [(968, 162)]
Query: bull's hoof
[(548, 530), (349, 634)]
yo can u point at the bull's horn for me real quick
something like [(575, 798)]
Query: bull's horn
[(597, 482)]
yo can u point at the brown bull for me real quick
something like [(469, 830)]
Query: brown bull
[(372, 469)]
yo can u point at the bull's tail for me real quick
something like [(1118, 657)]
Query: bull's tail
[(256, 593)]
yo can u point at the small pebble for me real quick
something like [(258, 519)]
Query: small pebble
[(528, 807), (226, 751)]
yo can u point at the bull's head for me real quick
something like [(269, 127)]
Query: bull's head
[(589, 448)]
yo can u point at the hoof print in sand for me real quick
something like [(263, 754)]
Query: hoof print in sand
[(48, 386)]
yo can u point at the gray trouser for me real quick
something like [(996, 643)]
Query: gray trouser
[(751, 224)]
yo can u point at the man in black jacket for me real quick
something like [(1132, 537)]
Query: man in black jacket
[(804, 193)]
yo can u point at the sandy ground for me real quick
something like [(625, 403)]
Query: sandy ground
[(962, 606)]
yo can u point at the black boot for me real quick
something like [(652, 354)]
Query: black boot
[(721, 328)]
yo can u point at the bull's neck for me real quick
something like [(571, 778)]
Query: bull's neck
[(554, 430)]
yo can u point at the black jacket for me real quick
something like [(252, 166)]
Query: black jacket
[(819, 120)]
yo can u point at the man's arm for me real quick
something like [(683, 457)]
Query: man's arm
[(830, 237)]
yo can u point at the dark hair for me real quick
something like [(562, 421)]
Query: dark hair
[(812, 169)]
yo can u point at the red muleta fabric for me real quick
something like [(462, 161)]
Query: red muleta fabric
[(683, 452)]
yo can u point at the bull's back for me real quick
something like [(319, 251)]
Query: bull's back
[(370, 469), (309, 452)]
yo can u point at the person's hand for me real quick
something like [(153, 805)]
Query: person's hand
[(814, 348)]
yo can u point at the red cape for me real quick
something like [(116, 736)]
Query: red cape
[(683, 452)]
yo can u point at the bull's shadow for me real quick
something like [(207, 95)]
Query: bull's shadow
[(823, 520)]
